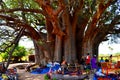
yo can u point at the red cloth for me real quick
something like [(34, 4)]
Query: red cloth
[(88, 59)]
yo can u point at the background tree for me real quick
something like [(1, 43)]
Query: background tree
[(17, 55), (58, 28)]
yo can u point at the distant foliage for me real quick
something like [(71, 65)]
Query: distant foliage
[(19, 53), (4, 56)]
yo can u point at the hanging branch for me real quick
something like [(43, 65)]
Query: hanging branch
[(15, 44)]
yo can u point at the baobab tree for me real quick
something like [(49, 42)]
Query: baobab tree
[(62, 28)]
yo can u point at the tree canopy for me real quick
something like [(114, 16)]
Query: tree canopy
[(68, 28)]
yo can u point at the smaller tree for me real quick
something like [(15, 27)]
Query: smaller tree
[(17, 55)]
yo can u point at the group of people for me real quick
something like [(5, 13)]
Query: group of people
[(106, 60), (89, 62), (94, 63), (86, 63)]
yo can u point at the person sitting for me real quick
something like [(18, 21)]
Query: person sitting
[(77, 65), (106, 60), (63, 65), (82, 64), (102, 60), (110, 58)]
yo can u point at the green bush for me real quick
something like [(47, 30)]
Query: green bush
[(18, 53)]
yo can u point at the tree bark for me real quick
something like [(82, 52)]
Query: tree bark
[(39, 55), (58, 49)]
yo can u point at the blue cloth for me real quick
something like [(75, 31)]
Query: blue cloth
[(56, 67), (40, 70), (111, 76), (1, 78), (45, 70)]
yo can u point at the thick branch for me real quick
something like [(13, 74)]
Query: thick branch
[(22, 9), (76, 13), (101, 8), (30, 29), (114, 22), (52, 15), (103, 31), (15, 44), (60, 8)]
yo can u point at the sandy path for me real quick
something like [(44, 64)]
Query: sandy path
[(23, 75)]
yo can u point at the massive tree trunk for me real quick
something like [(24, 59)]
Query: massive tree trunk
[(42, 51), (69, 49), (65, 45), (62, 25), (69, 39), (87, 47)]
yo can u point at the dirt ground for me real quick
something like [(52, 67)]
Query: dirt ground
[(23, 75)]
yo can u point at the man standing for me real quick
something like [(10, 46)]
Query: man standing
[(88, 59)]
